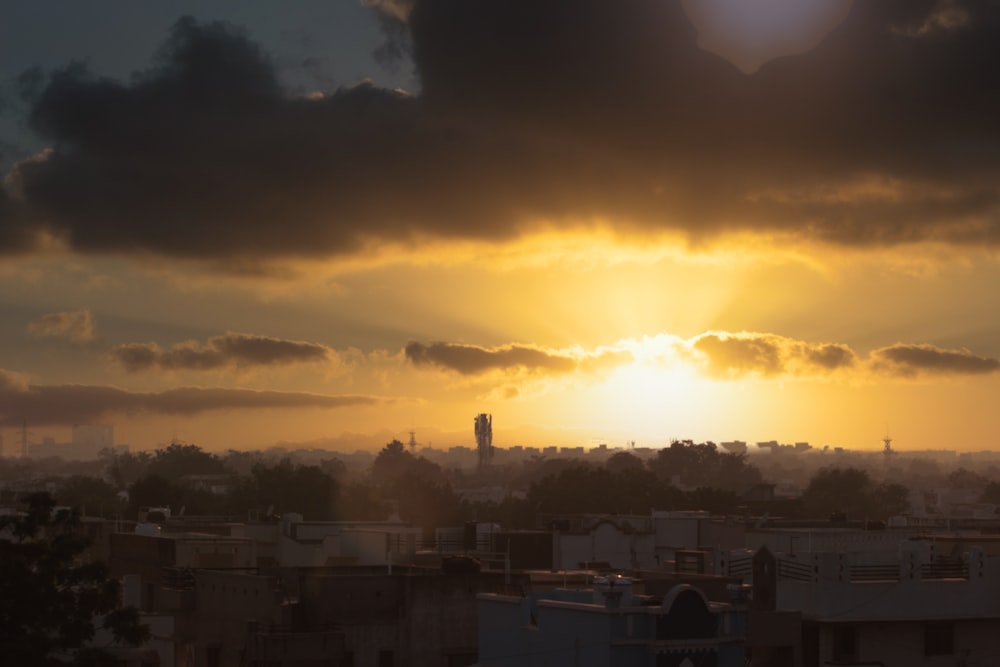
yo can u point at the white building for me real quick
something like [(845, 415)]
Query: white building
[(930, 603), (641, 542)]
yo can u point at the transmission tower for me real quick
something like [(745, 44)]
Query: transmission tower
[(887, 450)]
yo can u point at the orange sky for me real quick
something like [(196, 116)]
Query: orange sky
[(578, 217)]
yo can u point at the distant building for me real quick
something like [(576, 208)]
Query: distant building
[(735, 447), (89, 439)]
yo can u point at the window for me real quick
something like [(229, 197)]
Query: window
[(939, 639), (845, 642)]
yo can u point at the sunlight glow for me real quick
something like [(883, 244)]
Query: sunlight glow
[(658, 396)]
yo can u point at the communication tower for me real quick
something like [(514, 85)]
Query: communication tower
[(888, 453), (25, 443), (413, 441), (484, 438)]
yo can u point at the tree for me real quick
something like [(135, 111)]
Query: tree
[(334, 467), (851, 491), (837, 490), (420, 486), (241, 463), (701, 465), (624, 461), (89, 495), (124, 468), (154, 491), (288, 488), (892, 498), (961, 478), (361, 500), (991, 494), (176, 461), (51, 601), (390, 463)]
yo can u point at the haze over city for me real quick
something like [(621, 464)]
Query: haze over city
[(245, 223)]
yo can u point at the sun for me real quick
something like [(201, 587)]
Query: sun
[(655, 399)]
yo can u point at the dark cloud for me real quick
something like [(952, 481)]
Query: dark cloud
[(737, 354), (728, 355), (829, 356), (79, 404), (394, 17), (16, 235), (472, 360), (719, 354), (911, 360), (231, 349), (76, 326), (475, 360), (563, 111)]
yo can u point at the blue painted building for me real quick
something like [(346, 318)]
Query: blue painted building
[(608, 625)]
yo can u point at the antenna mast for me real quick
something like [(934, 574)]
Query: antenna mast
[(24, 439), (484, 438)]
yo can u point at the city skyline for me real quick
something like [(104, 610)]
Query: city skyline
[(236, 224)]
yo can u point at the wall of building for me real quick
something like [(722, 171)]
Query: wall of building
[(319, 544), (604, 543), (975, 642), (145, 556), (227, 602), (607, 627), (424, 619)]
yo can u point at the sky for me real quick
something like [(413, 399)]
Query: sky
[(328, 223)]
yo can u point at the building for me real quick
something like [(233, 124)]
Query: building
[(639, 542), (89, 439), (608, 626), (933, 602)]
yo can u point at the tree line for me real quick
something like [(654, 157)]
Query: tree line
[(683, 476)]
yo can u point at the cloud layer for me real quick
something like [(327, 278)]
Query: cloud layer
[(719, 355), (61, 405), (911, 360), (475, 360), (76, 326), (531, 112), (737, 355), (228, 350)]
